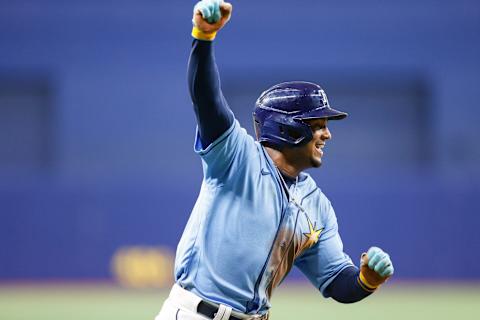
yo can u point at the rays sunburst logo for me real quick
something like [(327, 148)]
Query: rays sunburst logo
[(313, 235)]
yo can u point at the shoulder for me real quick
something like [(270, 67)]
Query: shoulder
[(232, 133), (311, 184), (315, 196), (234, 154), (311, 189)]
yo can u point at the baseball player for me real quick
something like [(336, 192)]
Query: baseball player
[(258, 213)]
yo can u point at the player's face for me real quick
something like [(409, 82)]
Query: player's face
[(312, 152)]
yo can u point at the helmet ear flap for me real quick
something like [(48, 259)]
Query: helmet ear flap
[(294, 134), (281, 130), (299, 132)]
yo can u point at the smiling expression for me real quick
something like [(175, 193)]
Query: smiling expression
[(310, 155)]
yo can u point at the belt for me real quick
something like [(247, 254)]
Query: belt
[(210, 311), (190, 301)]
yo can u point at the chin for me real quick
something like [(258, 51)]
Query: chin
[(316, 163)]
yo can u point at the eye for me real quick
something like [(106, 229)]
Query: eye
[(317, 127)]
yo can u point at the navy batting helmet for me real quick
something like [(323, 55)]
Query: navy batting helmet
[(280, 111)]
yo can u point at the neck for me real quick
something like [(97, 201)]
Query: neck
[(283, 164)]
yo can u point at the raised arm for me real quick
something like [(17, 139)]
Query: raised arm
[(213, 115)]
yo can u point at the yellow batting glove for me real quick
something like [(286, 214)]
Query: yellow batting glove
[(209, 16), (375, 268)]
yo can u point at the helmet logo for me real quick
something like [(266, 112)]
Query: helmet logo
[(324, 98)]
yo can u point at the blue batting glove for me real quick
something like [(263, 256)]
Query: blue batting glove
[(210, 10), (209, 16), (375, 268), (380, 262)]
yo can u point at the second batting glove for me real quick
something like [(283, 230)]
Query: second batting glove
[(375, 268), (209, 16)]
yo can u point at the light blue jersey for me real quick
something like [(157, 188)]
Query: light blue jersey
[(244, 234)]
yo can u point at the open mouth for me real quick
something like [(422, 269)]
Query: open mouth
[(319, 147)]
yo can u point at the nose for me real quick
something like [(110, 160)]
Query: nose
[(326, 134)]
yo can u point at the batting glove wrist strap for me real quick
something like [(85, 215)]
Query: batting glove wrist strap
[(363, 282), (200, 35)]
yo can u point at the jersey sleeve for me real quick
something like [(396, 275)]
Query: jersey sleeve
[(345, 288), (213, 114), (227, 156), (326, 259)]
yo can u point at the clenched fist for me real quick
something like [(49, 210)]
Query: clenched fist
[(375, 268), (209, 16)]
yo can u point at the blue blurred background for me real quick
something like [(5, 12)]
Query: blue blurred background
[(97, 128)]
